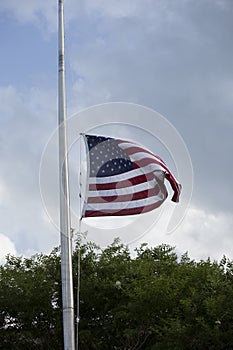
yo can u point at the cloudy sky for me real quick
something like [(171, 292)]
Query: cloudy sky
[(174, 57)]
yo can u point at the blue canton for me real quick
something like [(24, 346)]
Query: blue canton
[(106, 157)]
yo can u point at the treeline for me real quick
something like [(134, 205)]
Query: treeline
[(151, 301)]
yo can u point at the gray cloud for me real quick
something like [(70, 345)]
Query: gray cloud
[(40, 13), (174, 57), (25, 120)]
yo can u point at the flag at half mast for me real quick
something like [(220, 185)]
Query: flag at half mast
[(124, 178)]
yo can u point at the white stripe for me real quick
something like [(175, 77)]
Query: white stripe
[(122, 191), (150, 168), (125, 205)]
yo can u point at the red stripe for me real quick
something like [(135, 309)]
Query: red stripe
[(122, 184), (135, 149), (175, 186), (146, 161), (130, 211), (126, 198)]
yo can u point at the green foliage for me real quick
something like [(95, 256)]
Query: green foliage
[(30, 313), (152, 301)]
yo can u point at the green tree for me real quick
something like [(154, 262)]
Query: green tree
[(30, 311), (153, 300)]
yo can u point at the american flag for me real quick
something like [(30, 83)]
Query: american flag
[(124, 178)]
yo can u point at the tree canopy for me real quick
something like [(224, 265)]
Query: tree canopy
[(153, 300)]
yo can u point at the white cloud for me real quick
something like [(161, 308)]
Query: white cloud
[(6, 247), (207, 233), (202, 233)]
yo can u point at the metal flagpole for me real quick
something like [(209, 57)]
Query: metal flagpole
[(65, 232)]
